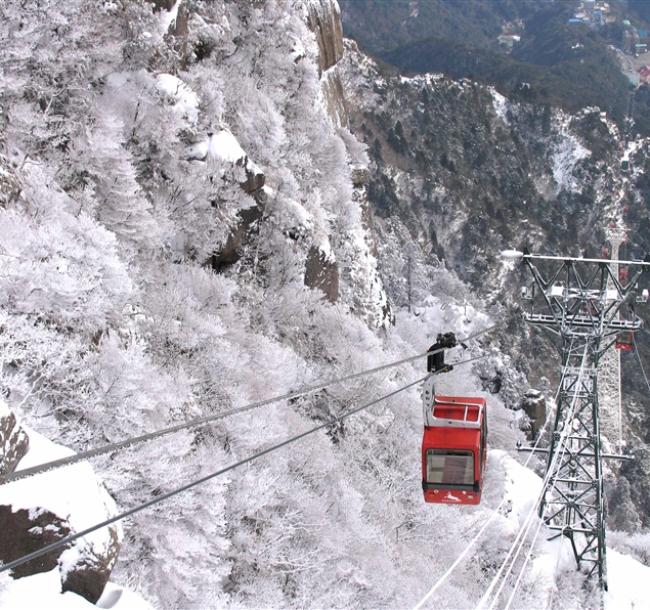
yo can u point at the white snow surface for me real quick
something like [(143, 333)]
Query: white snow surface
[(500, 104), (225, 146), (568, 151), (222, 146), (627, 581), (43, 592), (187, 101)]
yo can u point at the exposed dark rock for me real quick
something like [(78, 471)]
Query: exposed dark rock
[(14, 442), (534, 405), (9, 187), (180, 26), (325, 21), (24, 531), (322, 273), (91, 573), (239, 237), (255, 179), (360, 176)]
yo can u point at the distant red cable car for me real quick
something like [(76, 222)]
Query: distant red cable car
[(623, 274), (454, 447), (625, 341)]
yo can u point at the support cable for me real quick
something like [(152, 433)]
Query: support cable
[(520, 538), (161, 498), (523, 567), (201, 421), (561, 450), (638, 355), (528, 555), (549, 604)]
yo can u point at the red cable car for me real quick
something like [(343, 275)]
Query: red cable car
[(623, 274), (454, 447), (625, 341)]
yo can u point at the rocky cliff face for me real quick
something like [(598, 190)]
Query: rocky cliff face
[(192, 211), (459, 173), (325, 21), (324, 18), (14, 441), (465, 170)]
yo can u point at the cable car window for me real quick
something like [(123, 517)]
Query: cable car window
[(451, 467)]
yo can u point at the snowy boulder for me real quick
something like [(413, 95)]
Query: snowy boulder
[(223, 151), (42, 509), (181, 96), (43, 591), (322, 272), (534, 405), (13, 440)]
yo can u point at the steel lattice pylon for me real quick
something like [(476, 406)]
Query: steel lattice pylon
[(582, 303)]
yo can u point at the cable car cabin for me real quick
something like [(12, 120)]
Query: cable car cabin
[(625, 341), (454, 448)]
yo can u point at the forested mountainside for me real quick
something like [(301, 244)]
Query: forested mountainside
[(206, 204), (530, 51)]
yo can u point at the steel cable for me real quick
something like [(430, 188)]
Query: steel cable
[(201, 421), (161, 498), (638, 355)]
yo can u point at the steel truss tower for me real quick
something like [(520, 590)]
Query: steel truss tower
[(585, 306)]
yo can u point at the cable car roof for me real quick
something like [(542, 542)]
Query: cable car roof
[(457, 412)]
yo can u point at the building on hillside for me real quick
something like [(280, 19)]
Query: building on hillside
[(508, 40), (644, 74)]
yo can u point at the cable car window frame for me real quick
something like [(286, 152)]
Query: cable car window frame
[(483, 442), (468, 472)]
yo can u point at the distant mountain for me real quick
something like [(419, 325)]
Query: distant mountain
[(549, 60), (381, 26)]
